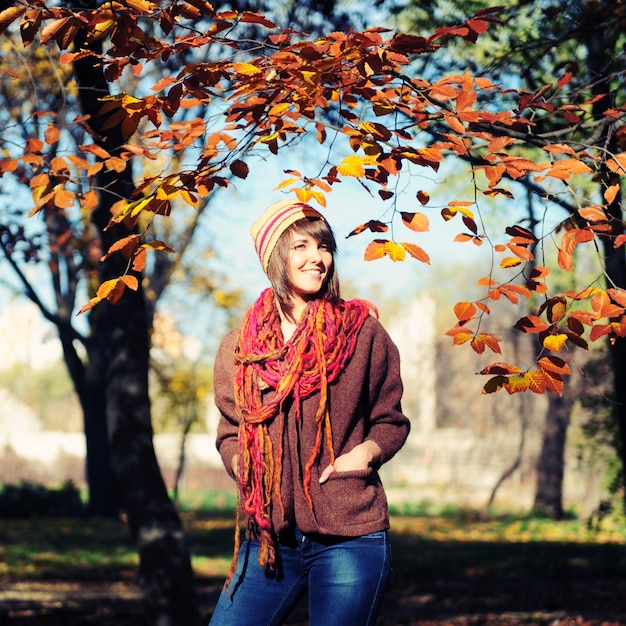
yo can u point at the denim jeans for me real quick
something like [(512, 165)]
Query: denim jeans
[(345, 579)]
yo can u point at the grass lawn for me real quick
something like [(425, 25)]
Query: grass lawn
[(453, 569)]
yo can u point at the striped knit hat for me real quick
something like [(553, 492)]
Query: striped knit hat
[(276, 219)]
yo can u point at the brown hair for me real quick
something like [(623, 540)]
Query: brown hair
[(278, 265)]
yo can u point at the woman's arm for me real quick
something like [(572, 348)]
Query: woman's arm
[(223, 386)]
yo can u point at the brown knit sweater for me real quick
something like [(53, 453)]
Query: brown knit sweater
[(364, 404)]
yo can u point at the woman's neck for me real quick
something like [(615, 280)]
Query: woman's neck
[(289, 321)]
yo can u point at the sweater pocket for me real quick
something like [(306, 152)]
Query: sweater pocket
[(351, 499)]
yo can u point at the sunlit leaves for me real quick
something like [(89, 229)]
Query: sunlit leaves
[(112, 290), (380, 248), (387, 124)]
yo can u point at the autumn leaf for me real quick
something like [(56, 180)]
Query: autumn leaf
[(110, 290), (491, 341), (464, 311), (554, 342), (505, 369), (374, 226), (239, 168), (460, 335), (565, 168), (380, 248), (423, 197), (126, 246), (415, 221), (610, 193), (352, 166), (247, 69), (509, 262), (64, 198), (416, 252), (593, 214), (516, 384), (531, 324)]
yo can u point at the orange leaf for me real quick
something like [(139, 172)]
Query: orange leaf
[(565, 260), (531, 324), (64, 198), (52, 134), (380, 248), (565, 168), (501, 368), (593, 214), (560, 148), (536, 382), (554, 365), (618, 164), (491, 341), (130, 281), (464, 311), (139, 260), (415, 221), (478, 345), (611, 193), (416, 252)]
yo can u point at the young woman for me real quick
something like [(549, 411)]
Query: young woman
[(309, 391)]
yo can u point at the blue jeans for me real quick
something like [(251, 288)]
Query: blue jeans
[(345, 578)]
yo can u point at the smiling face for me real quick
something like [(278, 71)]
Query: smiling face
[(301, 267), (310, 262)]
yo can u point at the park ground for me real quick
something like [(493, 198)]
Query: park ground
[(449, 569)]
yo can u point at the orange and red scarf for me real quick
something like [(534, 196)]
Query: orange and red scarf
[(317, 353)]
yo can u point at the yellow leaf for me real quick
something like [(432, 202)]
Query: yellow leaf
[(304, 195), (352, 166), (516, 384), (279, 109), (247, 69), (509, 262), (286, 183), (461, 338), (380, 248), (554, 342)]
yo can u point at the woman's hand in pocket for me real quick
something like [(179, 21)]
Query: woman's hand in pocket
[(361, 457)]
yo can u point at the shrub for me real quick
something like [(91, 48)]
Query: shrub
[(26, 499)]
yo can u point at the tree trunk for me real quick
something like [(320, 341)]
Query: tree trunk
[(88, 382), (600, 41), (551, 462), (122, 330)]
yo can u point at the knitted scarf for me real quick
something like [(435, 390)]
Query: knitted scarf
[(317, 353)]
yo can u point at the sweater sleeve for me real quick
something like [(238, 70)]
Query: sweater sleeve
[(388, 426), (223, 386)]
